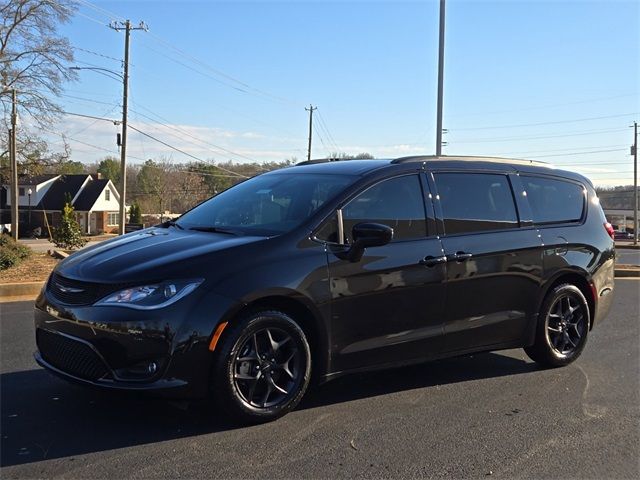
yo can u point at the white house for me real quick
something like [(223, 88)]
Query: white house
[(41, 199)]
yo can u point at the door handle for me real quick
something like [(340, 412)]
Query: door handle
[(459, 257), (431, 261)]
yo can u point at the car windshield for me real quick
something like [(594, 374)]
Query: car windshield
[(265, 205)]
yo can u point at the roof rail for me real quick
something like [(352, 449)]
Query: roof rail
[(325, 160), (465, 158)]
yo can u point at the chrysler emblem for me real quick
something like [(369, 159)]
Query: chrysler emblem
[(68, 289)]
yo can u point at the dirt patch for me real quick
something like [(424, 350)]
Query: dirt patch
[(36, 268)]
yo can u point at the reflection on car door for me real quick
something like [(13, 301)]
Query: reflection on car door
[(388, 306), (494, 266)]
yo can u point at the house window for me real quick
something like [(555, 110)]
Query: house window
[(113, 219), (21, 191), (107, 195)]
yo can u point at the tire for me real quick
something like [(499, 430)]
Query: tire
[(262, 367), (563, 327)]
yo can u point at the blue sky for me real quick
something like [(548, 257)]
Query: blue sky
[(555, 81)]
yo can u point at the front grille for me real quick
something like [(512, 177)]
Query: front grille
[(71, 356), (74, 292)]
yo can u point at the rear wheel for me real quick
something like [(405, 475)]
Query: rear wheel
[(262, 367), (563, 327)]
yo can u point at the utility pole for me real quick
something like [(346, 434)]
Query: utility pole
[(13, 158), (310, 110), (440, 81), (126, 26), (635, 182)]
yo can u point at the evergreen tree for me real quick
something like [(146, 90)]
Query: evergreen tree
[(68, 235), (135, 214)]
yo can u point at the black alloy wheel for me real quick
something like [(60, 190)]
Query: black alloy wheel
[(268, 368), (262, 367), (563, 327)]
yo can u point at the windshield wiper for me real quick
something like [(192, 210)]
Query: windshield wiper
[(171, 223), (216, 230)]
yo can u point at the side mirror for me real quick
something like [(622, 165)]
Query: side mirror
[(368, 235), (371, 234)]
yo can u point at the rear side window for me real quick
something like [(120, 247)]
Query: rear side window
[(473, 202), (554, 201), (396, 202)]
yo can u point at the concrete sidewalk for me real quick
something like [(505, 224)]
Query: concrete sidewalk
[(43, 245)]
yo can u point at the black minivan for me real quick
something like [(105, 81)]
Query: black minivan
[(332, 267)]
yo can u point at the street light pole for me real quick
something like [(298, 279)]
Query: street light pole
[(635, 183), (440, 81)]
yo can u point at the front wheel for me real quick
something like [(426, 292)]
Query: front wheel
[(563, 327), (262, 367)]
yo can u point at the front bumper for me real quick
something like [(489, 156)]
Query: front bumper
[(115, 347)]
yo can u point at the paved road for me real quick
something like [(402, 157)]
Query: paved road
[(627, 256), (492, 414)]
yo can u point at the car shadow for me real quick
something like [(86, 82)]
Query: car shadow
[(44, 417)]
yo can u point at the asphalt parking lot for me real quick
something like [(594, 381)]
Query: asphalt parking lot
[(491, 415)]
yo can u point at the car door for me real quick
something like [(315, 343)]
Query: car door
[(387, 307), (494, 261)]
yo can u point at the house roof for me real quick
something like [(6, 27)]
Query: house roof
[(55, 198), (35, 179), (90, 195)]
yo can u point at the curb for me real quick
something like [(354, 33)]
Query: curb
[(29, 290), (628, 247), (627, 272)]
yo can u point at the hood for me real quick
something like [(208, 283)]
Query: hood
[(151, 254)]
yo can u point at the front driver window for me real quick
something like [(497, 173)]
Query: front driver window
[(396, 202)]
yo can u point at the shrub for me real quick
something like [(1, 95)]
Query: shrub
[(135, 214), (11, 252), (68, 235)]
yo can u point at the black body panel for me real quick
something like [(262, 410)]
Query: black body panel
[(402, 302)]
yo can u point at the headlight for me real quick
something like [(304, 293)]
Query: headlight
[(150, 297)]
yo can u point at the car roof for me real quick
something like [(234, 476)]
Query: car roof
[(362, 167)]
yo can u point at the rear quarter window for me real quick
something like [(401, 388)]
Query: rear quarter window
[(554, 201)]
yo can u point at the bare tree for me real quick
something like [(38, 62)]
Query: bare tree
[(34, 60)]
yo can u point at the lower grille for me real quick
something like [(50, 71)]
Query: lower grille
[(70, 356)]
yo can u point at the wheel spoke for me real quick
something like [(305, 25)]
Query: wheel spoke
[(284, 366), (275, 385), (571, 341), (268, 392), (554, 330), (275, 346), (252, 390), (255, 345)]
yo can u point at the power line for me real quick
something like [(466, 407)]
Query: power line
[(115, 122), (328, 150), (580, 153), (528, 137), (323, 125), (179, 150), (245, 86), (97, 54), (544, 107), (557, 150), (101, 10), (171, 127), (545, 123)]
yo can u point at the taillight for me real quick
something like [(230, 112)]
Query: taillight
[(609, 229)]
